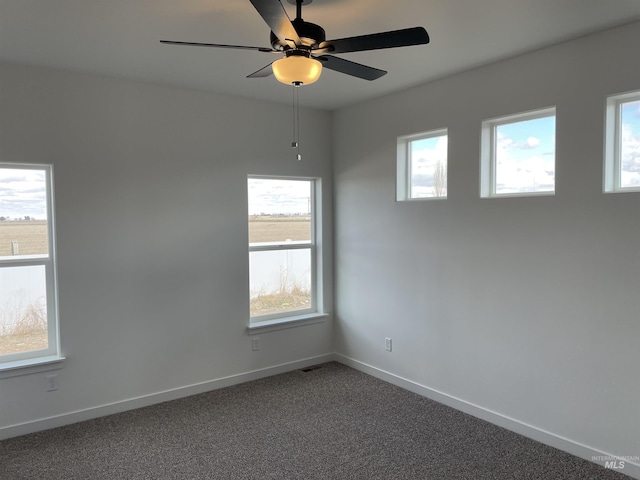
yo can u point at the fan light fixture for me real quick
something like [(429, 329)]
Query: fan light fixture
[(306, 50), (297, 68)]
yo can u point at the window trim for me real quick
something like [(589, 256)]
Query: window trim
[(612, 178), (272, 321), (20, 360), (403, 164), (488, 140)]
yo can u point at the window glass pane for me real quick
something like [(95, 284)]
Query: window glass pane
[(630, 144), (23, 309), (23, 212), (428, 167), (525, 156), (279, 281), (279, 211)]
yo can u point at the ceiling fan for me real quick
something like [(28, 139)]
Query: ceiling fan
[(305, 50)]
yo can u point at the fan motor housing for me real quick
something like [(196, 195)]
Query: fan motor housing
[(310, 34)]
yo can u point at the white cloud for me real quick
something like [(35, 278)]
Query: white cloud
[(518, 175), (532, 174), (532, 142), (423, 167), (505, 142), (426, 159), (630, 157), (22, 193), (275, 196)]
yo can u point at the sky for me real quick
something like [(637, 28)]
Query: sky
[(274, 196), (425, 155), (525, 156), (23, 193), (630, 145)]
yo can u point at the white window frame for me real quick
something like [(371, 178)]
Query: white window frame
[(613, 141), (403, 168), (14, 361), (488, 140), (314, 310)]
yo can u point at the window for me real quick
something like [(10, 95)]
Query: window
[(28, 311), (282, 248), (622, 143), (422, 166), (518, 154)]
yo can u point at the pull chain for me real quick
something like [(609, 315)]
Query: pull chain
[(296, 120)]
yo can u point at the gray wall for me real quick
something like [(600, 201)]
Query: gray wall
[(521, 309), (526, 308), (152, 235)]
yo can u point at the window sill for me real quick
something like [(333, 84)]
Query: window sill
[(623, 190), (289, 322), (521, 194), (31, 365), (421, 199)]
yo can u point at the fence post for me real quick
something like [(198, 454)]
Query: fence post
[(15, 249)]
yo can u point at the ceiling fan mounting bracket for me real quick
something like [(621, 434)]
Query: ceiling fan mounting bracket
[(298, 52), (302, 2), (311, 35)]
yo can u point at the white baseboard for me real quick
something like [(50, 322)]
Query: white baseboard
[(631, 468), (154, 398)]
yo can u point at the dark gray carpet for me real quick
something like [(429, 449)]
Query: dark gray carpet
[(329, 423)]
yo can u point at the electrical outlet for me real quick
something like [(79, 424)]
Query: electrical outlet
[(387, 344), (52, 382), (255, 343)]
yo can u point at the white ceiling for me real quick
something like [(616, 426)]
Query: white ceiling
[(121, 38)]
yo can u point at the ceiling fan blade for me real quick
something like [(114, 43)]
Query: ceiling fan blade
[(219, 45), (376, 41), (274, 14), (350, 68), (263, 72)]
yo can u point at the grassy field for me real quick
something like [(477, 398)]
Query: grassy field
[(268, 228), (23, 343), (31, 237), (28, 330), (288, 300)]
